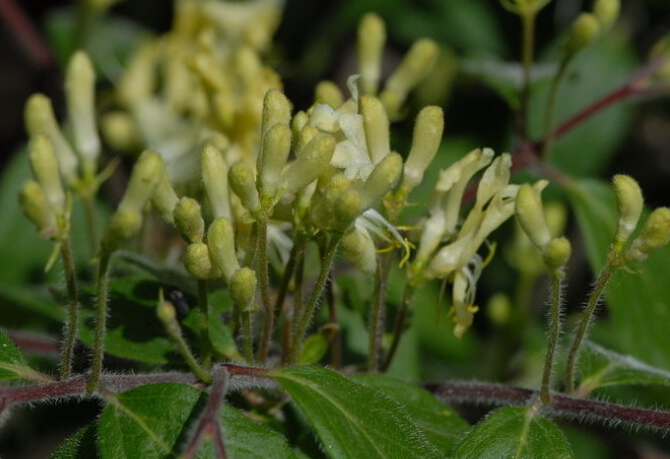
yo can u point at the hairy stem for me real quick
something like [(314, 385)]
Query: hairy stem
[(91, 226), (173, 330), (70, 327), (378, 311), (310, 307), (401, 319), (264, 283), (554, 334), (203, 306), (101, 322), (585, 321), (335, 335), (245, 317)]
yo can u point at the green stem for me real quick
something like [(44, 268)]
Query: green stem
[(585, 320), (203, 306), (399, 325), (91, 227), (101, 321), (527, 51), (551, 107), (310, 307), (264, 284), (378, 311), (554, 333), (70, 327), (174, 332), (291, 327), (245, 317)]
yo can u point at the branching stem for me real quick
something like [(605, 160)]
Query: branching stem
[(71, 325)]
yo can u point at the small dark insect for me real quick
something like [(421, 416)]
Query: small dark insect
[(180, 302)]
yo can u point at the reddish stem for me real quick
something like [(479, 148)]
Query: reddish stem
[(34, 342), (25, 33)]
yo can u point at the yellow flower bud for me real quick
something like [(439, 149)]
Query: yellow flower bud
[(630, 203), (370, 47), (198, 263), (415, 66), (304, 137), (327, 92), (556, 253), (215, 177), (607, 12), (298, 122), (188, 219), (276, 109), (139, 80), (376, 125), (122, 226), (310, 164), (584, 30), (348, 206), (243, 183), (654, 234), (80, 96), (45, 169), (425, 142), (164, 198), (40, 119), (242, 289), (360, 250), (275, 150), (530, 215), (382, 179), (143, 180), (34, 204), (166, 313), (120, 131), (221, 244)]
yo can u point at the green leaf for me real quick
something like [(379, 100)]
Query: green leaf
[(13, 365), (81, 445), (314, 348), (600, 367), (133, 331), (353, 420), (588, 148), (441, 425), (151, 422), (514, 433), (637, 298)]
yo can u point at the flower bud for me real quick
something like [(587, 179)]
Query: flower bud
[(305, 136), (215, 177), (188, 219), (425, 142), (376, 125), (138, 82), (529, 214), (630, 203), (275, 150), (654, 234), (198, 263), (360, 250), (416, 65), (120, 131), (242, 181), (327, 92), (166, 313), (80, 96), (370, 47), (45, 169), (143, 180), (242, 289), (276, 109), (607, 12), (164, 198), (122, 226), (221, 244), (382, 179), (584, 30), (310, 164), (298, 122), (348, 206), (37, 209), (40, 119), (556, 253)]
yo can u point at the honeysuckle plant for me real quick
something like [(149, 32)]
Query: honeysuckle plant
[(272, 273)]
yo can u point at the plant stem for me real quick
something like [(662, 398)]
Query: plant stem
[(335, 336), (264, 284), (399, 325), (245, 318), (203, 306), (298, 298), (91, 227), (71, 325), (378, 311), (527, 50), (101, 322), (554, 334), (585, 320), (310, 307), (551, 108), (174, 332)]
